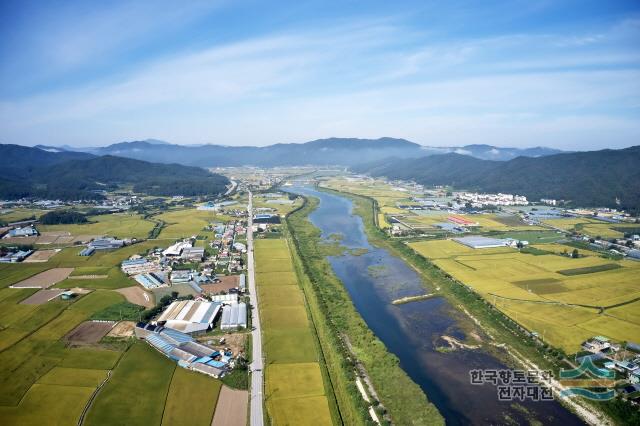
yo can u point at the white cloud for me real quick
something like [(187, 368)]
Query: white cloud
[(353, 81)]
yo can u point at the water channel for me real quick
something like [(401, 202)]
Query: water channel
[(413, 331)]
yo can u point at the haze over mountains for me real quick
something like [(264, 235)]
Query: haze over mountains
[(603, 178), (331, 151)]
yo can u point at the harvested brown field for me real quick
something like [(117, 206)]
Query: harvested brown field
[(42, 296), (51, 237), (40, 256), (227, 282), (89, 332), (20, 240), (137, 295), (232, 408), (45, 279), (122, 329), (88, 277)]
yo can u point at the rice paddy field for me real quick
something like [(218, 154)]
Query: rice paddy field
[(121, 225), (20, 213), (187, 222), (565, 300), (295, 392), (45, 379)]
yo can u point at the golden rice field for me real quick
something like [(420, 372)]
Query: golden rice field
[(121, 225), (533, 291), (295, 392)]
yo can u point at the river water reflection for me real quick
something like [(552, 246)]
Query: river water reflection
[(412, 331)]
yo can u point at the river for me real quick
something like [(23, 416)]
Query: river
[(413, 331)]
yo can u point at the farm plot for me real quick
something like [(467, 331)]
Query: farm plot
[(293, 372), (187, 222), (48, 404), (536, 291), (137, 390), (121, 225), (187, 387), (41, 256), (137, 296), (231, 409), (42, 296), (89, 332), (45, 279)]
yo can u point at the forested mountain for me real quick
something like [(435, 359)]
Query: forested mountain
[(18, 161), (595, 178), (35, 174), (332, 151)]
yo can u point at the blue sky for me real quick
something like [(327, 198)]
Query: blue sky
[(564, 74)]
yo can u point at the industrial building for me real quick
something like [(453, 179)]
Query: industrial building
[(106, 243), (478, 242), (190, 316), (27, 231), (17, 256), (185, 350), (88, 251), (234, 316), (176, 249), (150, 280), (181, 277), (192, 253), (138, 266)]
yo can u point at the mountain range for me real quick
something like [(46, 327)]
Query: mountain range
[(332, 151), (66, 175), (608, 177)]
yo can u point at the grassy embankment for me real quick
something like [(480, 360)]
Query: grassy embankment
[(503, 329), (338, 320)]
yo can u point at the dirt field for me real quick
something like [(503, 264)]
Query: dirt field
[(122, 329), (137, 295), (52, 237), (45, 279), (89, 332), (232, 408), (228, 282), (42, 296), (234, 341), (89, 277), (40, 256), (20, 240)]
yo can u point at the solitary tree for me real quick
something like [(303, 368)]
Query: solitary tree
[(575, 254)]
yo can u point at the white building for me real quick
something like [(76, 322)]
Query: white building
[(189, 316)]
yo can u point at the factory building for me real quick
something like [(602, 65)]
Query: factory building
[(189, 316), (478, 242)]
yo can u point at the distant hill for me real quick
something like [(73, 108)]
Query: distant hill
[(332, 151), (594, 178), (35, 173), (18, 161)]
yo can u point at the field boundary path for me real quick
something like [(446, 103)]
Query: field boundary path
[(256, 367)]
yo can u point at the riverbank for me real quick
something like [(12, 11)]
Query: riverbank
[(405, 401), (510, 341)]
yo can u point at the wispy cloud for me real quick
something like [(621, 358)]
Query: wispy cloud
[(568, 89)]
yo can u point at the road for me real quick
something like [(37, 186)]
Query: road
[(257, 375)]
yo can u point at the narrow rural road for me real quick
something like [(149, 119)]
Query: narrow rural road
[(257, 375)]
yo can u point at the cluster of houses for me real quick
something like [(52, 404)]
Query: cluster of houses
[(478, 200)]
